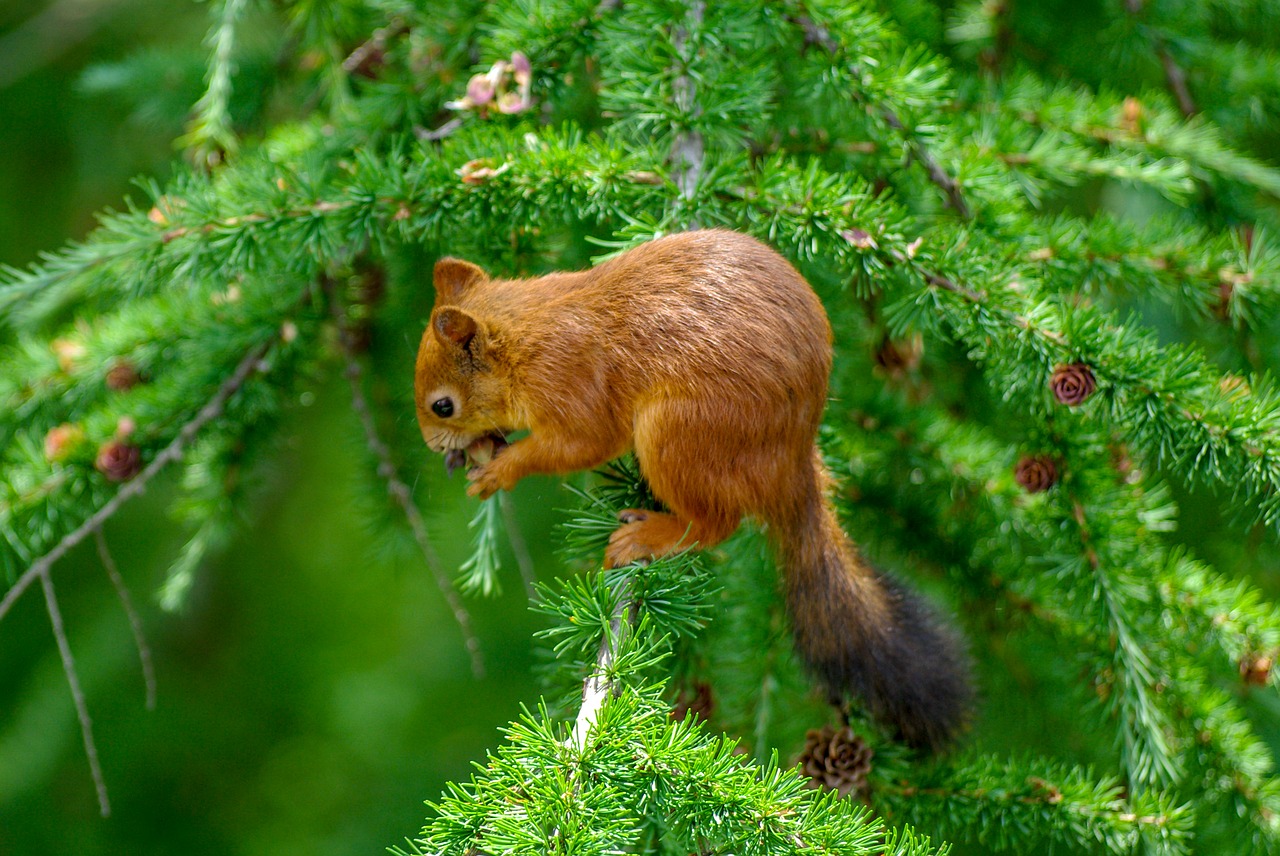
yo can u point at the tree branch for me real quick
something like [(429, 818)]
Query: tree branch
[(1174, 76), (1177, 80), (399, 491), (1046, 794), (41, 569), (173, 452), (363, 59), (939, 176), (598, 687), (518, 545), (688, 153), (77, 694), (135, 621), (816, 34)]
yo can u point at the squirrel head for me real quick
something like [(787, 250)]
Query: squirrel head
[(460, 381)]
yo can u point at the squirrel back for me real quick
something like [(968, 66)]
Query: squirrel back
[(708, 354)]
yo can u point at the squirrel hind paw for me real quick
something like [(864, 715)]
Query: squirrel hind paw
[(643, 536)]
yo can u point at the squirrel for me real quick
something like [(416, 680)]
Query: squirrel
[(707, 354)]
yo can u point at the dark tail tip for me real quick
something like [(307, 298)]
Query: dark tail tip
[(910, 668), (923, 676)]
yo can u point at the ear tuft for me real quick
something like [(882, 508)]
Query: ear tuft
[(454, 327), (453, 277)]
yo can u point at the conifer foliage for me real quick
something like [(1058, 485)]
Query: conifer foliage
[(1049, 254)]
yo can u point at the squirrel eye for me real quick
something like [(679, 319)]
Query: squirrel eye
[(442, 407)]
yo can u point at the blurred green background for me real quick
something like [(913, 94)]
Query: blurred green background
[(315, 689)]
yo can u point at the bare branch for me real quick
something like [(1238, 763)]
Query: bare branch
[(445, 130), (135, 621), (1177, 80), (518, 545), (1174, 75), (399, 491), (364, 59), (173, 452), (77, 694)]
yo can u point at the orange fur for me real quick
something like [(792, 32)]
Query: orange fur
[(708, 354)]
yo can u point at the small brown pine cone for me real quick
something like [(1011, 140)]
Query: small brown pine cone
[(119, 461), (122, 376), (837, 760), (697, 700), (1036, 473), (1255, 669), (1072, 384)]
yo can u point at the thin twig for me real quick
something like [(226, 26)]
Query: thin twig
[(1174, 76), (1177, 80), (77, 694), (372, 50), (518, 545), (173, 452), (939, 176), (1047, 795), (445, 130), (816, 34), (135, 621), (400, 492)]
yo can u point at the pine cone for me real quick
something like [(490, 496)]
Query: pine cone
[(1255, 669), (1073, 384), (122, 376), (119, 461), (836, 760), (1036, 473)]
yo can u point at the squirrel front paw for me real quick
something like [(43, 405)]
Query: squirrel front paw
[(486, 480), (490, 475)]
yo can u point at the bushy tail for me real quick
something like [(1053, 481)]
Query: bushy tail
[(863, 633)]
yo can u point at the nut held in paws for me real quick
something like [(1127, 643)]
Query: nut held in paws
[(482, 451)]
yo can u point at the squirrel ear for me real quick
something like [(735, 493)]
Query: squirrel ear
[(453, 276), (454, 327)]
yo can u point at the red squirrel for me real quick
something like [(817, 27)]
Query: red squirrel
[(707, 354)]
